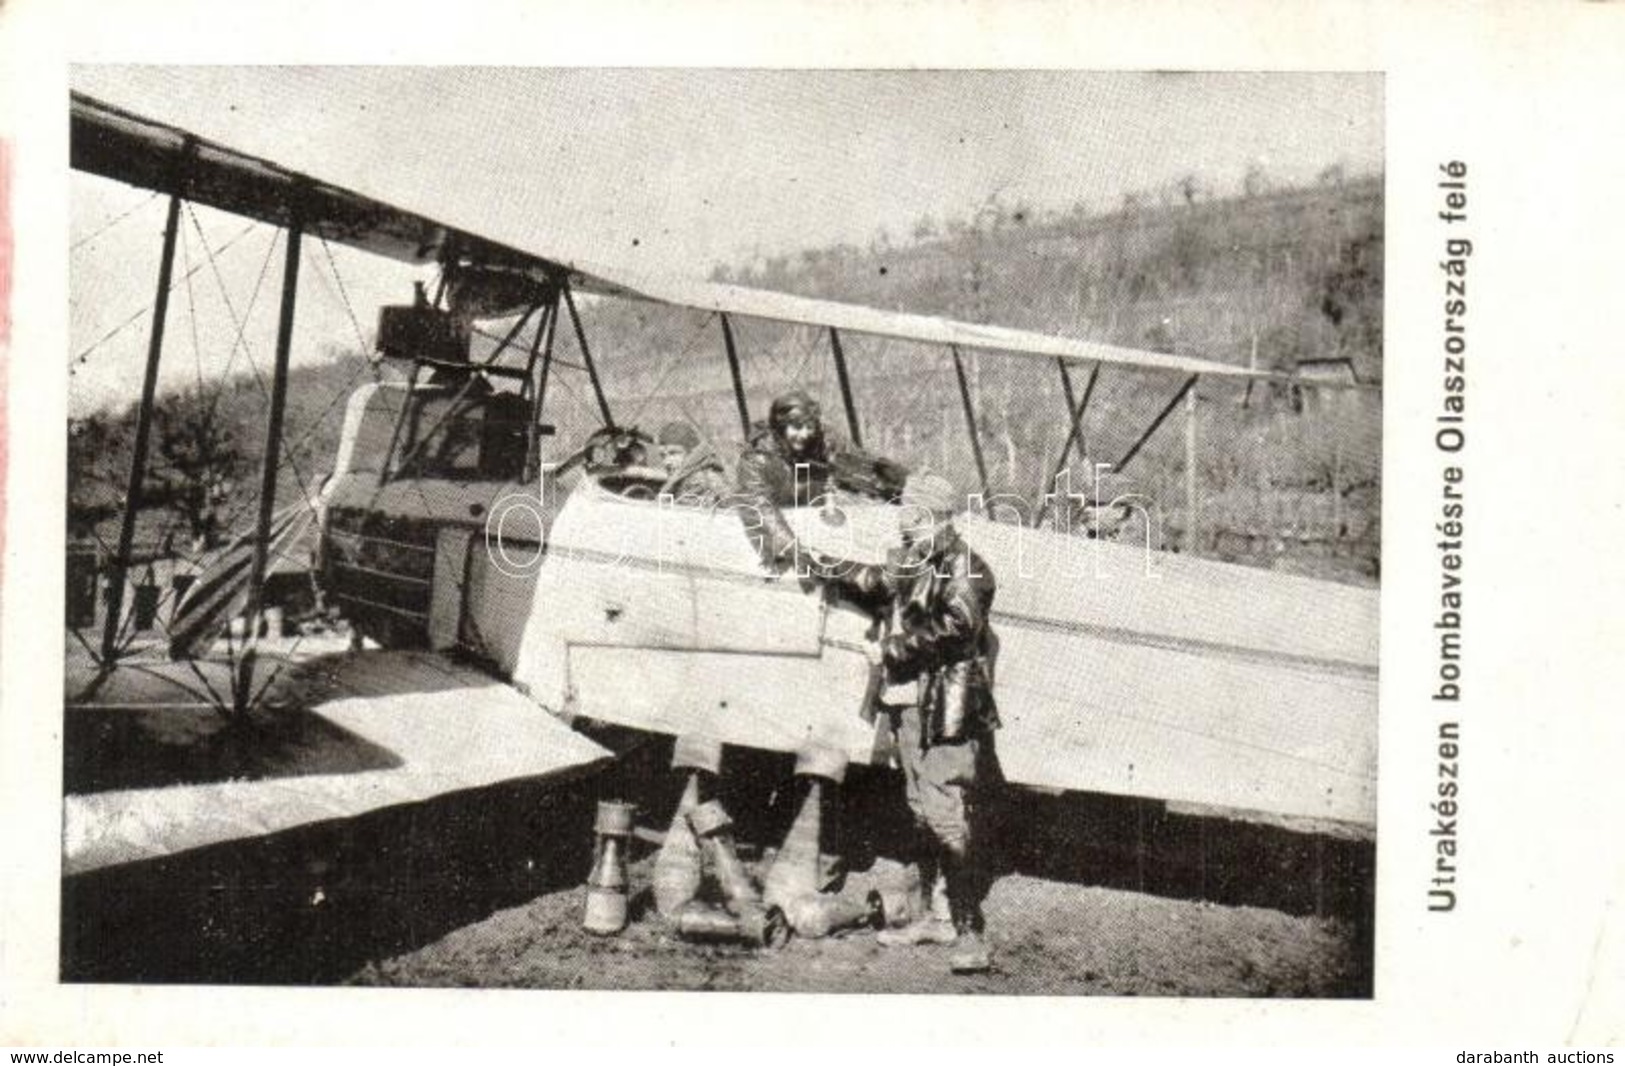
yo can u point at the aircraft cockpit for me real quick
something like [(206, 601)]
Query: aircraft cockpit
[(478, 435), (621, 460), (462, 420)]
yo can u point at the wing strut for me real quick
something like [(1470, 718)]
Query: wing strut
[(846, 388), (970, 420), (733, 369), (1046, 494), (242, 688), (1128, 456), (143, 431), (548, 326), (586, 356)]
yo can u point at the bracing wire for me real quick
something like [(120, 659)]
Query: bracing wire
[(248, 353), (84, 354), (82, 241)]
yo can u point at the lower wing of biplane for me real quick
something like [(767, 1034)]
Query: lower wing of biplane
[(385, 728)]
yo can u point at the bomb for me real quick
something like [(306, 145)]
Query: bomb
[(715, 830), (796, 871), (815, 916), (678, 867), (757, 926), (605, 912)]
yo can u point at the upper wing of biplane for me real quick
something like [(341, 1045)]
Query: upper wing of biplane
[(117, 144)]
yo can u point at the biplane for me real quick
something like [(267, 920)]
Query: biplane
[(454, 520)]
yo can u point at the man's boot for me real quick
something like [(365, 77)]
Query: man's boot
[(970, 954)]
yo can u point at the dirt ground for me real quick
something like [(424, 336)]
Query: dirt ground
[(1049, 938)]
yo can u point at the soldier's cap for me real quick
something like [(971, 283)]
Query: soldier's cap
[(929, 492), (680, 433), (794, 406)]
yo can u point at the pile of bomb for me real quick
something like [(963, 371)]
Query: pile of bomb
[(700, 843)]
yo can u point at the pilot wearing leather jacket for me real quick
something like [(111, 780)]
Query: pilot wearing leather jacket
[(937, 595), (790, 461)]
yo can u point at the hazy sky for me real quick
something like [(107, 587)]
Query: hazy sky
[(668, 170)]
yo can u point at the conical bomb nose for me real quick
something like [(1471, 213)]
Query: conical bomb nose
[(677, 871), (678, 868), (796, 871)]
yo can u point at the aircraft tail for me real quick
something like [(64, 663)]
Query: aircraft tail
[(221, 590)]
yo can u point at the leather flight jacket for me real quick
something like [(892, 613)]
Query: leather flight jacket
[(939, 605), (767, 483), (766, 478), (701, 481)]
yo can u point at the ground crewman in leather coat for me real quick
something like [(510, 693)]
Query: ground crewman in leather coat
[(936, 596)]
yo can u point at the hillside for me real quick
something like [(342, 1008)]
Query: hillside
[(1287, 279)]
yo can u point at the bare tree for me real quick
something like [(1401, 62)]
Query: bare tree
[(198, 462)]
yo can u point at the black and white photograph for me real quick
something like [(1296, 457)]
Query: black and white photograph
[(923, 528), (824, 531)]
